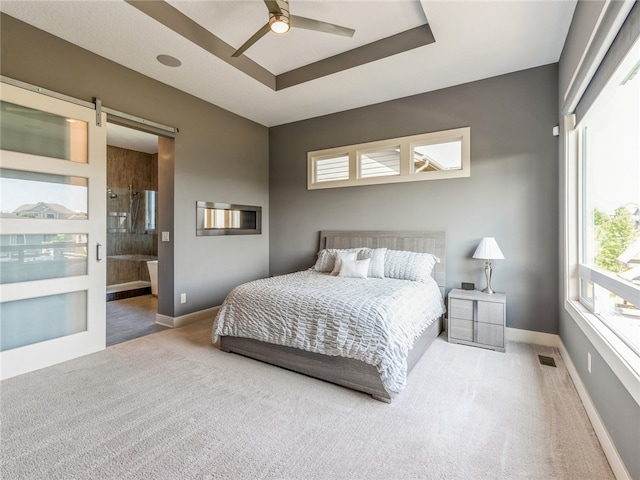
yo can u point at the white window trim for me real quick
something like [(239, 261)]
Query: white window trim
[(618, 356), (406, 145), (624, 363)]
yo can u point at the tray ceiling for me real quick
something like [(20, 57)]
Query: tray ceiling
[(473, 40)]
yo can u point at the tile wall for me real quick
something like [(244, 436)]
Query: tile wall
[(128, 252)]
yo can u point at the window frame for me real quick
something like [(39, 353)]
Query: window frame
[(406, 146), (624, 361), (591, 274)]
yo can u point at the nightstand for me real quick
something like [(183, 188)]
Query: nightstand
[(477, 318)]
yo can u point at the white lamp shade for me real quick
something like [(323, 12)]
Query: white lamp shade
[(488, 250)]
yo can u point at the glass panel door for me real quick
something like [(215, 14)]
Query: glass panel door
[(29, 130), (52, 203)]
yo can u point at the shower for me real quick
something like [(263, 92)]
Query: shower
[(134, 203), (131, 211), (131, 215)]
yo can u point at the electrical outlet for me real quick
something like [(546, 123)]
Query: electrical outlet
[(165, 236), (183, 298), (589, 361)]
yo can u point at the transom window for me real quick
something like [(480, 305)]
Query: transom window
[(332, 168), (429, 156), (381, 162)]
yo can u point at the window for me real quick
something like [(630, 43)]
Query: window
[(25, 194), (609, 204), (437, 156), (428, 156), (28, 257), (57, 137), (379, 162), (332, 168)]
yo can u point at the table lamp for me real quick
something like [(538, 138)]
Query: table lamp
[(488, 250)]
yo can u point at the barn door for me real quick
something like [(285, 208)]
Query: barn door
[(52, 230)]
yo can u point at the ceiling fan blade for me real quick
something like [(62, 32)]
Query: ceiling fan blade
[(256, 36), (273, 6), (319, 26)]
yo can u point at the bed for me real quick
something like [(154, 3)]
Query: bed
[(366, 352)]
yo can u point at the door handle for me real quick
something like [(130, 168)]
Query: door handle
[(98, 252)]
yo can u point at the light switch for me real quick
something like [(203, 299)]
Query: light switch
[(165, 236)]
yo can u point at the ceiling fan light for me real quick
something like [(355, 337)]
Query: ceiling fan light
[(279, 23)]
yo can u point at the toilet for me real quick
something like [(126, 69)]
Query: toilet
[(152, 265)]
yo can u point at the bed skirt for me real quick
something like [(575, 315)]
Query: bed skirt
[(347, 372)]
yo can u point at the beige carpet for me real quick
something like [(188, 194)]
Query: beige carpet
[(171, 406)]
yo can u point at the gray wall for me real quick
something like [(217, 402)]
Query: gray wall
[(616, 407), (219, 157), (512, 193)]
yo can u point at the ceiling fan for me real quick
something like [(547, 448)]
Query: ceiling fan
[(280, 21)]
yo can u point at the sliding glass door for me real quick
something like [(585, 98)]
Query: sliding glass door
[(52, 231)]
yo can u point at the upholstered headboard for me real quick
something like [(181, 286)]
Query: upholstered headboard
[(426, 242)]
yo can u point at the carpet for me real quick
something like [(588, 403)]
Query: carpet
[(172, 406)]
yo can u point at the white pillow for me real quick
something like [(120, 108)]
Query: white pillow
[(376, 267), (354, 268), (327, 258), (405, 265), (341, 257)]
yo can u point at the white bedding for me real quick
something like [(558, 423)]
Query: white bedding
[(375, 320)]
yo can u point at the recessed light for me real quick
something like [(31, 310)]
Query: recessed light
[(169, 61)]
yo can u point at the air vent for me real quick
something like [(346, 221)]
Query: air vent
[(548, 361)]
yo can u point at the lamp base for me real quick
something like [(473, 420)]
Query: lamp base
[(487, 273)]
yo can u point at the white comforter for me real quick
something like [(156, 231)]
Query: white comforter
[(372, 320)]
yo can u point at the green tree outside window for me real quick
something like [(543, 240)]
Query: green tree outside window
[(614, 234)]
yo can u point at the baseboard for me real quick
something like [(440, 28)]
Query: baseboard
[(189, 318), (535, 338), (610, 451)]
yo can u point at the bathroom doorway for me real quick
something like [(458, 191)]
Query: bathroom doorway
[(132, 237)]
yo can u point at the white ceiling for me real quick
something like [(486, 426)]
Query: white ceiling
[(124, 137), (474, 40)]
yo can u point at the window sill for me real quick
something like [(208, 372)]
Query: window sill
[(623, 361)]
